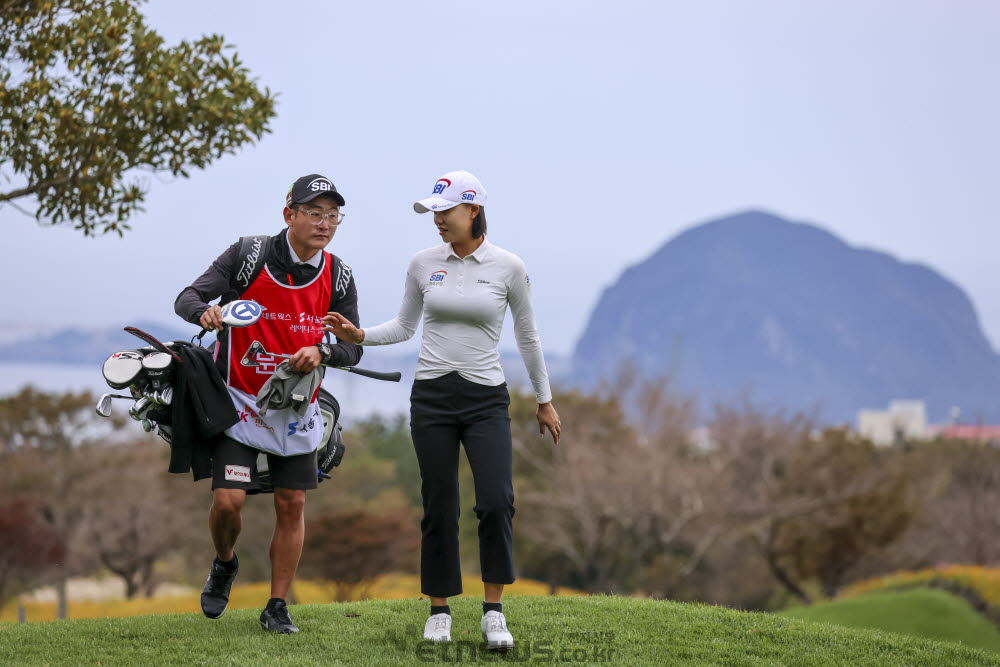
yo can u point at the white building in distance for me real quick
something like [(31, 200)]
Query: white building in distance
[(904, 420)]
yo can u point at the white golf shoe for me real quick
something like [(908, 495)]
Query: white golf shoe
[(438, 628), (495, 631)]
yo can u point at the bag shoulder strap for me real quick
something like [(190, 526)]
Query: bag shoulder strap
[(251, 258), (340, 276)]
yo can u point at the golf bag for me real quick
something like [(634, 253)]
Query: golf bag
[(149, 373)]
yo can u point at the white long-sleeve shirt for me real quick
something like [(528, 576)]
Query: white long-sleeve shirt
[(463, 302)]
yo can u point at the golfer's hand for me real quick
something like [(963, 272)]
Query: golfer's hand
[(342, 328), (306, 359), (211, 319), (549, 418)]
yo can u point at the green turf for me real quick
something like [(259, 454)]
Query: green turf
[(925, 612), (591, 630)]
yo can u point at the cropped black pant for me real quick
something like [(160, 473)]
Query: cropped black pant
[(443, 412)]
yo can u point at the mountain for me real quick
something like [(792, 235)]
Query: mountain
[(792, 316)]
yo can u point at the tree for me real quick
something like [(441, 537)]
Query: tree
[(89, 96), (28, 547), (386, 439), (615, 506), (814, 505), (352, 548), (33, 419), (136, 518), (960, 486), (46, 440)]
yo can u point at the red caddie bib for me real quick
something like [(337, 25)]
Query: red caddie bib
[(292, 319)]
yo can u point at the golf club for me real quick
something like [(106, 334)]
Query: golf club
[(104, 404), (141, 407), (250, 359)]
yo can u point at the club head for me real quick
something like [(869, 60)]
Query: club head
[(250, 358), (167, 396), (139, 408), (162, 397), (104, 405)]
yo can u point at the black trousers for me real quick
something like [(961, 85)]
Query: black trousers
[(443, 412)]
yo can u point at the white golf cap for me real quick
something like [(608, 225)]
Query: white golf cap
[(452, 189)]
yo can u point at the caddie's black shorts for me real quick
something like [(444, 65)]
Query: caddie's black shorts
[(234, 466)]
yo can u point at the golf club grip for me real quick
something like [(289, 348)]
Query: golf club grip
[(375, 375)]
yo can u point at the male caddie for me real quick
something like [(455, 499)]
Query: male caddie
[(297, 283)]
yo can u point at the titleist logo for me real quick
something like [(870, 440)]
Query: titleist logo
[(343, 278), (249, 263)]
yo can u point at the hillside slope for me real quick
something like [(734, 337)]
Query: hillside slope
[(924, 612), (591, 630)]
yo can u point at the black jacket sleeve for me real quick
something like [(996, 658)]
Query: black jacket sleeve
[(194, 299), (344, 353)]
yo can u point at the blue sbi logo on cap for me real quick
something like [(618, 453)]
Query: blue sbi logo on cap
[(468, 195), (440, 186)]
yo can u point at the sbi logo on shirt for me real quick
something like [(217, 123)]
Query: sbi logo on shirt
[(437, 278)]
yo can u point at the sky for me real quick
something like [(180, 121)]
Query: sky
[(600, 131)]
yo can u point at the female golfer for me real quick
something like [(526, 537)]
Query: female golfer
[(463, 288)]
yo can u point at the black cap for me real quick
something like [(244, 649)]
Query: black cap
[(309, 187)]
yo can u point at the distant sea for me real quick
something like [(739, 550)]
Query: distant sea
[(359, 397), (50, 377)]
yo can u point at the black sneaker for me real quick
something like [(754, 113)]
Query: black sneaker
[(215, 595), (275, 618)]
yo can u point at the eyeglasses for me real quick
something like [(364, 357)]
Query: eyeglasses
[(318, 217)]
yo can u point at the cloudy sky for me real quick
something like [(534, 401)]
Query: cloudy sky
[(599, 129)]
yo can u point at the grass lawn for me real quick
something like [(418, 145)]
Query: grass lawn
[(563, 630), (925, 612)]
